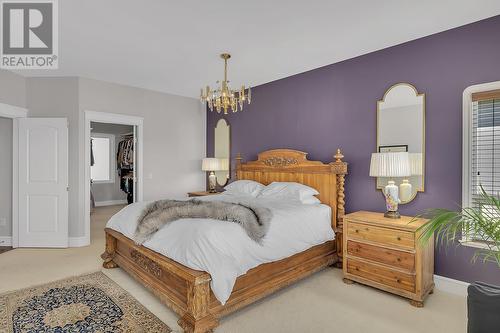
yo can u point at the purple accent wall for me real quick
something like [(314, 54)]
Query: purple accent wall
[(335, 106)]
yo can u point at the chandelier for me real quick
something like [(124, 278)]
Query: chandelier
[(224, 98)]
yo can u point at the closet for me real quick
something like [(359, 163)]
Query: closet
[(125, 165), (112, 164)]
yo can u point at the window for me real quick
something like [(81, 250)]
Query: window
[(103, 149), (481, 151)]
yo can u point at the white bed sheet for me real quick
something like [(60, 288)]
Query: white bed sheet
[(223, 249)]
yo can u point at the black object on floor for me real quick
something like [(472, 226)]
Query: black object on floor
[(483, 308), (5, 249)]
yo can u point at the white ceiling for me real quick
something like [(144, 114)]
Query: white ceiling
[(174, 46)]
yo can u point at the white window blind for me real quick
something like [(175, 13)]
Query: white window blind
[(485, 155), (103, 150)]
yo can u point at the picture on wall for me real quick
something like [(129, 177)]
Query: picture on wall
[(392, 149)]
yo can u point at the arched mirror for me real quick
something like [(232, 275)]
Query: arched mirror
[(222, 151), (401, 128)]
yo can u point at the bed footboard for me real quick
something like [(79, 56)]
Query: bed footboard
[(184, 290)]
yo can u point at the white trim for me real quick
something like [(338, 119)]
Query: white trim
[(5, 241), (467, 144), (85, 118), (110, 203), (15, 182), (478, 245), (113, 118), (451, 286), (77, 241), (12, 111), (112, 157)]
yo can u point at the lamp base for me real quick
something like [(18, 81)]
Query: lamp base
[(392, 214), (212, 188)]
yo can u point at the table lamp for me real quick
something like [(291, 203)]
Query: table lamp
[(211, 164), (390, 165)]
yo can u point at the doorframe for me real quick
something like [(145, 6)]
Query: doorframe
[(110, 118), (14, 112)]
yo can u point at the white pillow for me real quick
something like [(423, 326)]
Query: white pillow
[(288, 190), (246, 187), (312, 200)]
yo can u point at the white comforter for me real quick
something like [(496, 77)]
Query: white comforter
[(223, 249)]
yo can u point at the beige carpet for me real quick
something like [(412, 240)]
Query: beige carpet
[(321, 303)]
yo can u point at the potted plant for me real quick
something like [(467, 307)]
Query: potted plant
[(482, 222)]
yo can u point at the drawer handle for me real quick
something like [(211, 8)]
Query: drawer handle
[(398, 238), (398, 281), (357, 268), (399, 259), (357, 231)]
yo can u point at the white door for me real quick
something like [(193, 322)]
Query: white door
[(43, 182)]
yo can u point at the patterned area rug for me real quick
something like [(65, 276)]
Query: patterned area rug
[(88, 303)]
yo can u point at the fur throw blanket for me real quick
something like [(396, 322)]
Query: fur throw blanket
[(253, 219)]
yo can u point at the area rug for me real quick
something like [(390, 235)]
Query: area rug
[(87, 303)]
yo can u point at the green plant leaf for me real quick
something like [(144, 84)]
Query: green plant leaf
[(446, 226)]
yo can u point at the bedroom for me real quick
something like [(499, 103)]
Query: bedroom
[(322, 77)]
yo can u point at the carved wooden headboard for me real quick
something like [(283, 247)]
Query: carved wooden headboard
[(288, 165)]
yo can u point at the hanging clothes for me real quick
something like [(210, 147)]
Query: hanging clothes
[(125, 154), (92, 161), (125, 166)]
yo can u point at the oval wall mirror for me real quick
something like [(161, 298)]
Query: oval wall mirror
[(401, 128), (222, 151)]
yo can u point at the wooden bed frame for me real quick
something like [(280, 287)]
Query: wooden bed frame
[(187, 291)]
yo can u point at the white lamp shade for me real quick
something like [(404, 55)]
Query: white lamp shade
[(416, 164), (210, 164), (223, 164), (390, 165)]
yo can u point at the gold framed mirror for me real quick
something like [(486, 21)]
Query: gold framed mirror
[(401, 128), (222, 151)]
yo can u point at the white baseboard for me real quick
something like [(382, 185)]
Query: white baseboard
[(110, 203), (5, 241), (78, 241), (451, 286)]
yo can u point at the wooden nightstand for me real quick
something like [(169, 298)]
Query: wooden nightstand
[(201, 193), (384, 253)]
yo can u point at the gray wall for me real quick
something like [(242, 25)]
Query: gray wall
[(6, 176), (110, 191), (174, 134), (13, 92)]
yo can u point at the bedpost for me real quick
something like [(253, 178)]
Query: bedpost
[(340, 168), (238, 165), (197, 318), (109, 253)]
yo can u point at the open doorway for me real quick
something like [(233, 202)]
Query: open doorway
[(113, 165)]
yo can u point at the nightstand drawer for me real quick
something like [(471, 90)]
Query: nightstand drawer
[(391, 257), (383, 275), (388, 236)]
